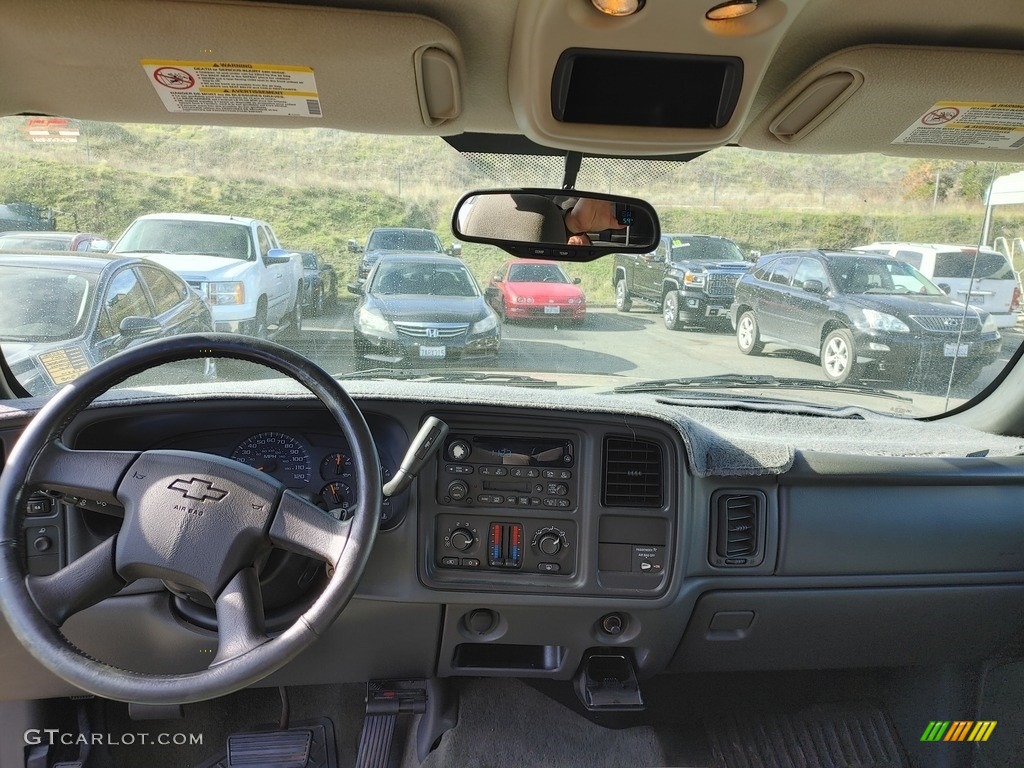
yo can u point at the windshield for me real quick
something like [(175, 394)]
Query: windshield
[(42, 305), (35, 242), (536, 273), (864, 275), (403, 240), (182, 195), (187, 237), (704, 248), (422, 279)]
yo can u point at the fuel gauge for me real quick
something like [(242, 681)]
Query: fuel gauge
[(338, 496)]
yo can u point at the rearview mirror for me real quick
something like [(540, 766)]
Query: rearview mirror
[(564, 225), (354, 247), (278, 256), (454, 249)]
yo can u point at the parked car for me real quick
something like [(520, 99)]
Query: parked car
[(423, 307), (319, 283), (60, 315), (525, 289), (853, 309), (982, 278), (53, 241), (384, 240), (251, 282), (691, 278)]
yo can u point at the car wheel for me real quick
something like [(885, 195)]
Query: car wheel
[(748, 335), (838, 356), (622, 301), (670, 311), (294, 329), (260, 325), (316, 306)]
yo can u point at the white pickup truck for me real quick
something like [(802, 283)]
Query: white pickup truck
[(252, 284)]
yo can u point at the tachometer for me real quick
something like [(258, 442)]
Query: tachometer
[(279, 455)]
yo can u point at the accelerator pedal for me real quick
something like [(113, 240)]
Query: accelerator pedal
[(385, 702)]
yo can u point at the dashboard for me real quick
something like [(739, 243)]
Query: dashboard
[(535, 538)]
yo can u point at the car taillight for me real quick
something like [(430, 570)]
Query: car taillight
[(1015, 301)]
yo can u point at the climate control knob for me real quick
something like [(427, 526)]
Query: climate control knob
[(550, 543), (457, 490), (461, 539)]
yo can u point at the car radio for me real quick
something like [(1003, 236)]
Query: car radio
[(500, 471)]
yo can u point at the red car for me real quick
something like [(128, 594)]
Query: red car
[(525, 289)]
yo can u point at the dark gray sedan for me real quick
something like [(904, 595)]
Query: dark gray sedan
[(426, 307), (60, 315)]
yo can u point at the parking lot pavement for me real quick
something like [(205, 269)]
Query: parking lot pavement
[(600, 346)]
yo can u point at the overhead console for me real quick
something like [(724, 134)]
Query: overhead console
[(569, 510), (576, 76)]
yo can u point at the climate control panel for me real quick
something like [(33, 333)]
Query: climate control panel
[(500, 544)]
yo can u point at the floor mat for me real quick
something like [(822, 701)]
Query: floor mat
[(818, 737), (507, 724)]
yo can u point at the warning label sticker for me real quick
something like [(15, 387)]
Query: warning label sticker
[(64, 365), (977, 124), (233, 88)]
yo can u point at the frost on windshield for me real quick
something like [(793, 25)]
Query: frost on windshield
[(615, 321)]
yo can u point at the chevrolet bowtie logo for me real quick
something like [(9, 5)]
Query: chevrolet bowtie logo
[(200, 490)]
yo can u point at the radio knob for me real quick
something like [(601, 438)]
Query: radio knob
[(458, 450), (462, 539), (550, 543), (457, 490)]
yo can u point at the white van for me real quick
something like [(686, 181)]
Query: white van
[(994, 288)]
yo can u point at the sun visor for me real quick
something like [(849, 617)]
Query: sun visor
[(234, 64), (901, 100)]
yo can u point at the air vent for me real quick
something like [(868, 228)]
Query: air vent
[(632, 473), (737, 528)]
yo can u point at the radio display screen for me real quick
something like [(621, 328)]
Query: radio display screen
[(520, 451)]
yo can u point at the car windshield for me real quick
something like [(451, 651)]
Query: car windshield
[(536, 273), (867, 275), (403, 240), (705, 248), (42, 305), (186, 236), (422, 279), (34, 243), (199, 206)]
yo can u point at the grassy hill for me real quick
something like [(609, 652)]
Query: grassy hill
[(320, 188)]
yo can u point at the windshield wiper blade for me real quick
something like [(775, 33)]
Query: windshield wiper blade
[(755, 381), (470, 377)]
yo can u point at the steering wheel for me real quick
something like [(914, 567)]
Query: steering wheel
[(192, 518)]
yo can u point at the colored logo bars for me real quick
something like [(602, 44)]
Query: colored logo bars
[(958, 730)]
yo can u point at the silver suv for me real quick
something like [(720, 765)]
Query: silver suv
[(994, 287)]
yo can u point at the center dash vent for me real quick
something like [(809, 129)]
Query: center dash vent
[(632, 473), (737, 528)]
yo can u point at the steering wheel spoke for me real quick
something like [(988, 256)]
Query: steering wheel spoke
[(89, 475), (301, 526), (84, 582), (239, 617)]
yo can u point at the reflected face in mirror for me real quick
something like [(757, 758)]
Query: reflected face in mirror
[(556, 218)]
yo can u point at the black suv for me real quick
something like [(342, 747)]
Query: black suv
[(691, 278), (858, 309)]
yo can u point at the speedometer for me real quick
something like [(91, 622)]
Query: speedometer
[(279, 455)]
